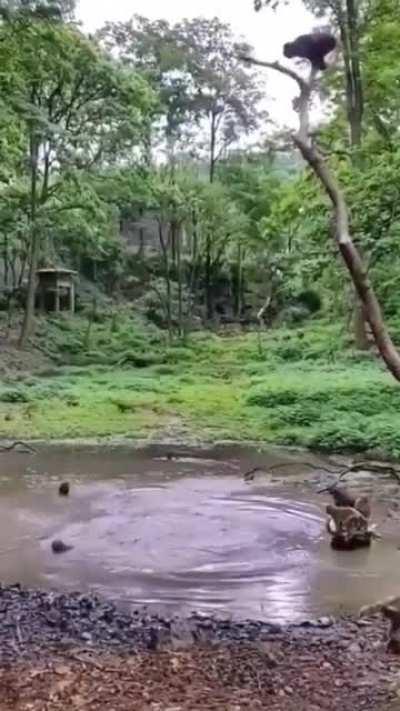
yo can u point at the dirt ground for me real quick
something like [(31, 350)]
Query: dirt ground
[(230, 677)]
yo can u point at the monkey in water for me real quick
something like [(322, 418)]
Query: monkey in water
[(341, 496), (347, 521), (313, 47), (64, 489), (345, 498), (60, 547)]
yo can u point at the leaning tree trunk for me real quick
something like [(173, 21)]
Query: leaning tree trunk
[(351, 256), (341, 232)]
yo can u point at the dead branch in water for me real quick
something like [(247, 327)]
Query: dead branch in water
[(378, 467), (249, 475), (28, 449), (340, 472)]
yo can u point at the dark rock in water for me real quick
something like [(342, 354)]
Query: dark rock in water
[(64, 488), (60, 547), (309, 623)]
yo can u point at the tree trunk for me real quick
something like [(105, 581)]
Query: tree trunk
[(24, 257), (29, 315), (212, 145), (167, 278), (352, 258), (209, 285), (349, 32), (208, 269), (6, 260), (178, 249), (141, 243), (260, 319), (193, 279), (140, 252), (13, 271), (355, 97), (239, 297)]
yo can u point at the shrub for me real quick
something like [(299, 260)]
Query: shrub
[(348, 435), (311, 300), (290, 352), (14, 396), (139, 360), (302, 415), (262, 398)]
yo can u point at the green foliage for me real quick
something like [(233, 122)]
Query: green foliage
[(235, 229), (139, 360), (194, 65), (132, 341), (15, 395), (70, 107), (311, 300), (212, 388)]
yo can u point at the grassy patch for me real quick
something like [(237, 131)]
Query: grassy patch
[(299, 386)]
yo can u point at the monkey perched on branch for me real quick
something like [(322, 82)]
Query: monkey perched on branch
[(313, 47)]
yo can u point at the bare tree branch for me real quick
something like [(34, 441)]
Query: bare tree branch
[(25, 447), (277, 67)]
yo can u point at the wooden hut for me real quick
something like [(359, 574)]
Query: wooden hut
[(56, 289)]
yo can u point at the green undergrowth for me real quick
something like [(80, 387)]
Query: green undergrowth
[(296, 387)]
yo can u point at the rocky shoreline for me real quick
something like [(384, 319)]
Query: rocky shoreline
[(31, 620), (320, 664)]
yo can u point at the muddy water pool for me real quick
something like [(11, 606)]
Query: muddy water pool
[(184, 534)]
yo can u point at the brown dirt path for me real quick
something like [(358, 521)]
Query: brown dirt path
[(231, 677)]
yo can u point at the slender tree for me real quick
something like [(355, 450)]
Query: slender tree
[(75, 107)]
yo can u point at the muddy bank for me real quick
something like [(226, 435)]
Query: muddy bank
[(33, 621), (81, 652)]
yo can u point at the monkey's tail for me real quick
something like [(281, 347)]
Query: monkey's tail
[(368, 610)]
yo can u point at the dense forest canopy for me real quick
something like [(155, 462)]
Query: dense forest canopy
[(144, 158)]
